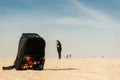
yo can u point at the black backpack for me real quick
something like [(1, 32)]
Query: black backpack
[(31, 53)]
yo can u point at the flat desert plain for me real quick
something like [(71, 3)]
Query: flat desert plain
[(66, 69)]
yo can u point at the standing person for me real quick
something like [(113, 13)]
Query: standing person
[(70, 55), (59, 48)]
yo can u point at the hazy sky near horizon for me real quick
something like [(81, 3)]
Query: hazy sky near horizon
[(86, 28)]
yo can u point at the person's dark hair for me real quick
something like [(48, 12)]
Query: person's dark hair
[(58, 41)]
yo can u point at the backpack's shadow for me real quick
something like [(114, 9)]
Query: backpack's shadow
[(62, 69)]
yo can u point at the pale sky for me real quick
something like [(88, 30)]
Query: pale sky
[(86, 28)]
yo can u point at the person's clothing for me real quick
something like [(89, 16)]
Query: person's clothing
[(59, 53)]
